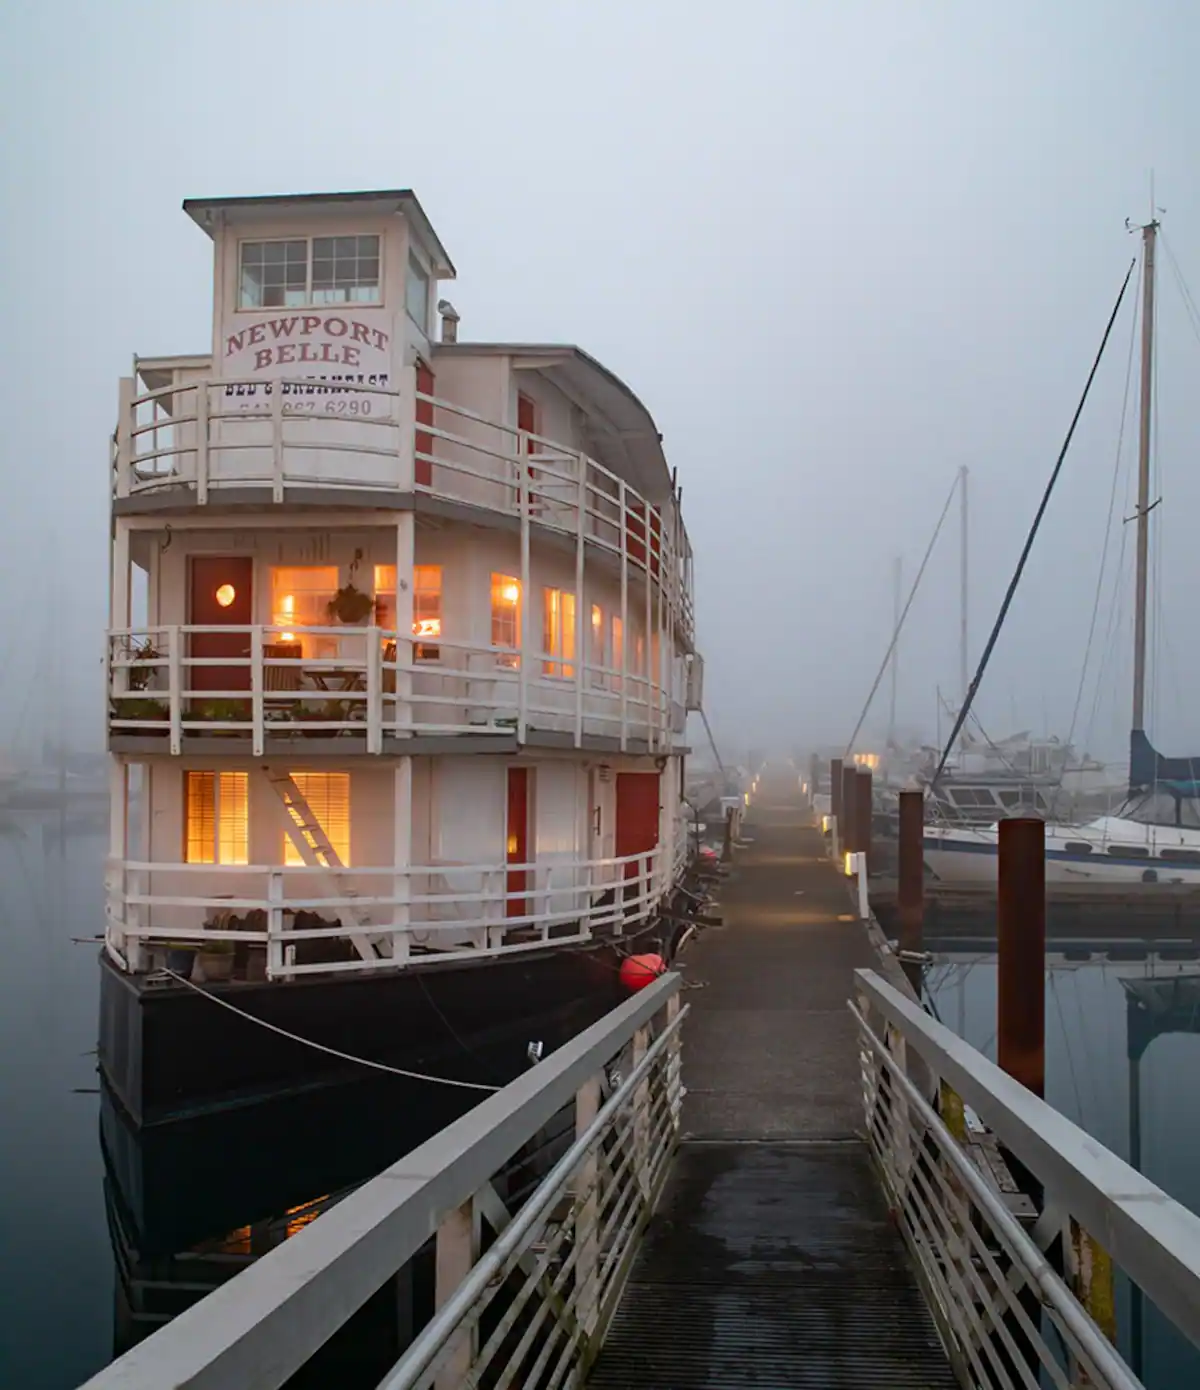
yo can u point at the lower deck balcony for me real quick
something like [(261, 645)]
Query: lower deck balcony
[(256, 685), (275, 922)]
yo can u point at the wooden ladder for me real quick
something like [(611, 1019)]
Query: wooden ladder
[(316, 849)]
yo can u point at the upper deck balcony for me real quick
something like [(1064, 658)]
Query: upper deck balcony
[(191, 441)]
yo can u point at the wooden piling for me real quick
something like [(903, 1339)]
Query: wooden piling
[(848, 820), (1021, 952), (910, 886), (864, 810)]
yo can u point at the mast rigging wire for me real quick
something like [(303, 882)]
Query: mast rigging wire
[(1033, 530), (887, 656)]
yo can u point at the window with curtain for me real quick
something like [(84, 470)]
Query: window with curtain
[(300, 597), (597, 651), (506, 617), (558, 633), (217, 818), (328, 797), (427, 606)]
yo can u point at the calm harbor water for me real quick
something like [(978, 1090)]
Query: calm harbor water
[(81, 1195)]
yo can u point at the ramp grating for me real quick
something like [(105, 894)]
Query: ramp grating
[(772, 1265)]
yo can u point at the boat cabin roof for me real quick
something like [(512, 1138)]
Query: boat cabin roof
[(210, 213)]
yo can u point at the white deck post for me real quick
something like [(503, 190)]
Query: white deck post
[(526, 599), (624, 676), (202, 442), (580, 658), (275, 958), (125, 399), (375, 689), (257, 681), (277, 441), (402, 861), (175, 678), (405, 559), (118, 853)]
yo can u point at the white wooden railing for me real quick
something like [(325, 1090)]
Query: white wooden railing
[(531, 1307), (218, 436), (458, 911), (360, 691)]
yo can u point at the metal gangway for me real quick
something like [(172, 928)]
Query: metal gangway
[(532, 1297)]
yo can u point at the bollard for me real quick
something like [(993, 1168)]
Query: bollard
[(864, 810), (910, 885), (1021, 952)]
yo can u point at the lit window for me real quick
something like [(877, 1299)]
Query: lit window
[(327, 270), (596, 657), (217, 818), (416, 293), (328, 797), (506, 617), (618, 648), (558, 633), (427, 605), (345, 270), (300, 597)]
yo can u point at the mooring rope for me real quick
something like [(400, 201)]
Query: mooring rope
[(331, 1051)]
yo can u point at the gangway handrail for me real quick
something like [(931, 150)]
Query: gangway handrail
[(263, 1325), (1148, 1235)]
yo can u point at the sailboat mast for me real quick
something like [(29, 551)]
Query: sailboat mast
[(1149, 232), (896, 571), (963, 668)]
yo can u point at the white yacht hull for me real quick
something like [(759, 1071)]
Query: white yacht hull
[(1110, 850)]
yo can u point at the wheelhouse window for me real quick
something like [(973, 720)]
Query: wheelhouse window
[(416, 294), (427, 606), (309, 271), (300, 596), (217, 818), (328, 797), (558, 633), (506, 618)]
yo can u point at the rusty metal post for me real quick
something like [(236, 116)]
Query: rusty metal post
[(910, 885), (864, 811), (1021, 950), (848, 820)]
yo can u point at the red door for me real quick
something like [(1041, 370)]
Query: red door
[(221, 595), (424, 440), (637, 815), (517, 831)]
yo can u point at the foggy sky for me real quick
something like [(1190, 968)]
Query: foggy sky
[(839, 249)]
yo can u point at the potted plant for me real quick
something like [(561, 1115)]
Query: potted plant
[(181, 956), (222, 712), (350, 606), (142, 708), (140, 676), (216, 959)]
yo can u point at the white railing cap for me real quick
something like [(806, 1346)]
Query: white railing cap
[(1149, 1235), (260, 1328)]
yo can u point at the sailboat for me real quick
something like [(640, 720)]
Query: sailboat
[(1155, 837)]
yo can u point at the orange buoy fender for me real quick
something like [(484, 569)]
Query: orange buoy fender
[(639, 971)]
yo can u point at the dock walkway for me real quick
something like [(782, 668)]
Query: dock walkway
[(772, 1260)]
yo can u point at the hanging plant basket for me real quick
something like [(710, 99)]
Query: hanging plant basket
[(351, 606)]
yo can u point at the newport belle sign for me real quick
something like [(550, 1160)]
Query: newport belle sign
[(320, 356)]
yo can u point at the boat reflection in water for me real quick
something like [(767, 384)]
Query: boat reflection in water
[(191, 1204)]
